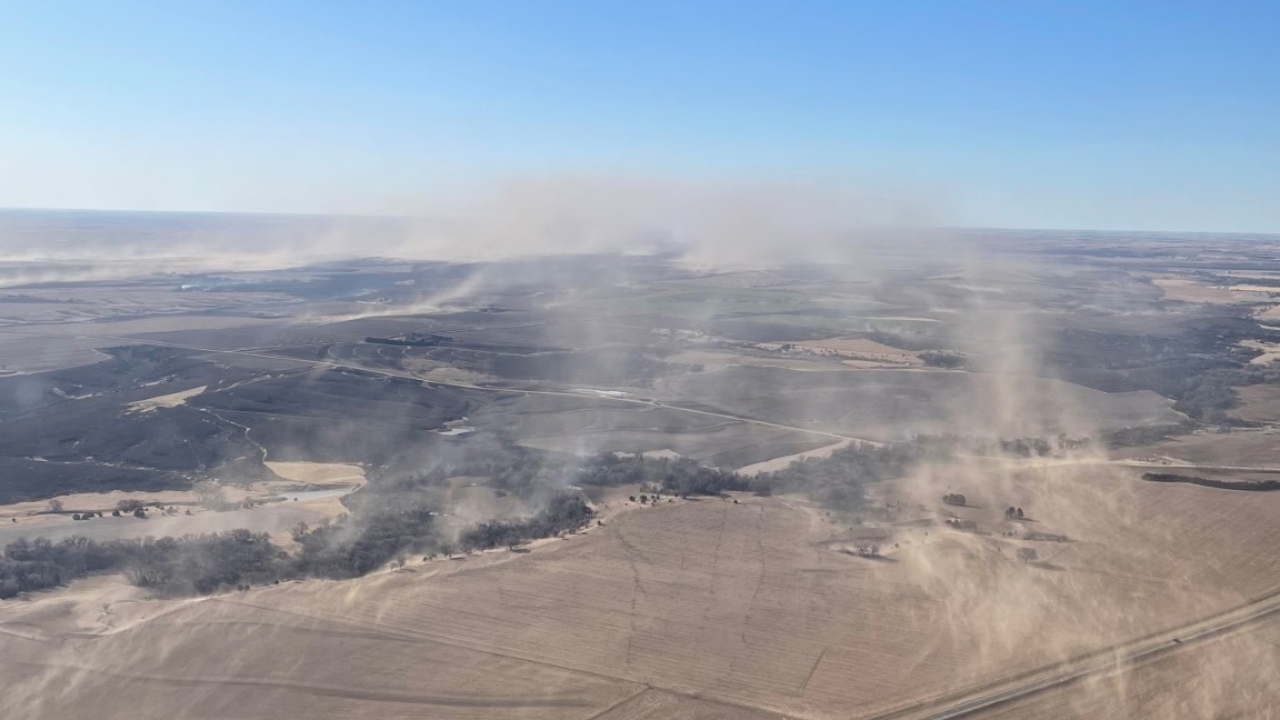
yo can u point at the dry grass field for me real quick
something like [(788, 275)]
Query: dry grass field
[(714, 360), (313, 491), (1228, 678), (314, 473), (1268, 314), (1240, 448), (165, 401), (862, 350), (779, 463), (1270, 351), (701, 608), (1258, 403), (277, 519), (1190, 290)]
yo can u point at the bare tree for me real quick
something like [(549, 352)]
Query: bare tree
[(210, 494)]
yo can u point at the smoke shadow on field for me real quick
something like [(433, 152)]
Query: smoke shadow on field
[(883, 559), (876, 558)]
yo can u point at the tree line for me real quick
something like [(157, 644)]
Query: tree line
[(1257, 486), (388, 519), (169, 566), (838, 481), (565, 514)]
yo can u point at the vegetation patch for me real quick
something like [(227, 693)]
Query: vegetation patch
[(389, 519), (1263, 486)]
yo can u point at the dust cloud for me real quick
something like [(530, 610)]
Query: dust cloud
[(1003, 613), (708, 224), (714, 225), (1064, 606)]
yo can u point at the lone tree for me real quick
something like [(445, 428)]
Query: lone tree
[(55, 505), (1028, 555)]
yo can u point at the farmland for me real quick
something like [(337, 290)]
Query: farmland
[(748, 605), (1033, 393)]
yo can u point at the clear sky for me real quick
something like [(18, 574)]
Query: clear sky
[(1106, 114)]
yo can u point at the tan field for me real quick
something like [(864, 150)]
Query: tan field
[(1246, 287), (316, 473), (301, 503), (855, 345), (165, 401), (1258, 403), (1239, 448), (1271, 314), (1270, 351), (1190, 290), (294, 474), (856, 352), (781, 462), (711, 359), (1230, 677), (701, 608)]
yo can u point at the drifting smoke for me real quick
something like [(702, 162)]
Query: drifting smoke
[(712, 225), (1064, 604), (990, 613), (708, 224)]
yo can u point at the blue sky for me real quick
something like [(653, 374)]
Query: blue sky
[(1119, 115)]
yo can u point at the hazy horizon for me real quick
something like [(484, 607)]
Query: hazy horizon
[(1090, 115), (1173, 231), (577, 360)]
